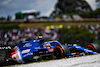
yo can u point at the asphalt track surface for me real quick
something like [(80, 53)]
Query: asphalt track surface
[(84, 61)]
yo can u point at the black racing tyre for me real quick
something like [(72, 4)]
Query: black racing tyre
[(93, 46), (57, 53), (60, 51), (2, 61), (65, 50)]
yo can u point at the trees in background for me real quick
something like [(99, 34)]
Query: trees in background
[(91, 14), (76, 35), (76, 7), (71, 6), (98, 3), (9, 26), (9, 18), (4, 18)]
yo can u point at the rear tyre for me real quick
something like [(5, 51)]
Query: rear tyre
[(60, 52), (65, 50), (93, 46), (57, 54)]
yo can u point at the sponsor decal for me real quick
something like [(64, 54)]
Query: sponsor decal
[(28, 54), (87, 50), (50, 50), (90, 51), (36, 40), (77, 46), (27, 45), (36, 57), (26, 51), (37, 48)]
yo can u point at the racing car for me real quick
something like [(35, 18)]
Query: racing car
[(38, 49)]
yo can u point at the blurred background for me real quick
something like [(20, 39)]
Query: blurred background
[(68, 21)]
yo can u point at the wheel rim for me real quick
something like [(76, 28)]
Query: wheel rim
[(90, 47), (57, 53)]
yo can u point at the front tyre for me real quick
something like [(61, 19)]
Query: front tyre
[(94, 47)]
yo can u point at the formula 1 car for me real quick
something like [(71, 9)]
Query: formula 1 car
[(38, 50)]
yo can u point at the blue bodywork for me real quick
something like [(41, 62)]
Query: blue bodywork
[(27, 48), (81, 48)]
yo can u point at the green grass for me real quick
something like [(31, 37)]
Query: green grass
[(44, 24), (3, 53)]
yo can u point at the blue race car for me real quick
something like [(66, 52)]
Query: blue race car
[(39, 50)]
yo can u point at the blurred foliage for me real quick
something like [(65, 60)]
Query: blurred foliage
[(9, 26), (2, 53), (76, 35), (73, 7), (98, 41), (91, 14), (9, 18), (2, 18), (70, 6), (98, 3)]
